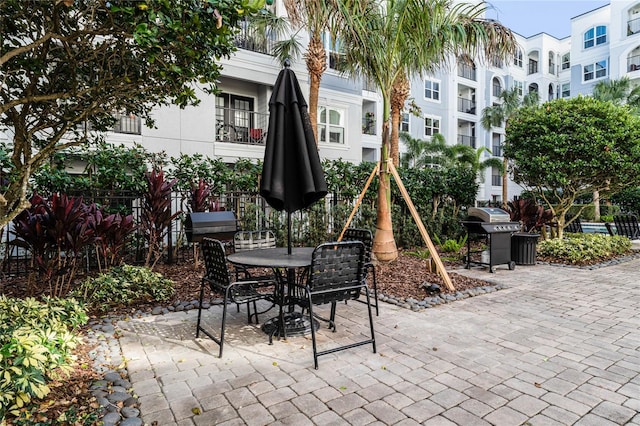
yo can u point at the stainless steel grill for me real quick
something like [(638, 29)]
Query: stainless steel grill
[(494, 226)]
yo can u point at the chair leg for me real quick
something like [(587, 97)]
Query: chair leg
[(375, 288), (373, 338), (313, 335), (199, 310)]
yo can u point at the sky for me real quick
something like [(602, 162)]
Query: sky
[(529, 17)]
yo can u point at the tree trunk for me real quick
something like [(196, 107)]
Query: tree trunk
[(596, 206), (399, 94), (505, 181), (384, 245), (316, 65)]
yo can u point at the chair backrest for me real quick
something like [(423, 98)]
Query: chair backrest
[(364, 235), (336, 272), (251, 240), (575, 226), (627, 225), (215, 263)]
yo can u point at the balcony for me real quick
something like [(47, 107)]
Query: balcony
[(633, 26), (467, 141), (129, 124), (241, 126), (368, 125), (496, 150), (633, 63), (466, 105), (250, 38), (466, 71)]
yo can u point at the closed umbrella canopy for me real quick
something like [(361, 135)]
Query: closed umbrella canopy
[(292, 176)]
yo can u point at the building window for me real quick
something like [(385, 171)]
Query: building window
[(431, 126), (496, 177), (496, 145), (517, 59), (597, 70), (519, 87), (566, 61), (432, 90), (565, 90), (330, 125), (552, 63), (595, 36), (335, 51), (404, 122)]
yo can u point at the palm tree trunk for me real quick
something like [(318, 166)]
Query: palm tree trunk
[(505, 181), (399, 94), (316, 65), (384, 245)]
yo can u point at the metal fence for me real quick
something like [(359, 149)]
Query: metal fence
[(249, 207)]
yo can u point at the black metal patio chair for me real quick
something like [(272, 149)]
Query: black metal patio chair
[(575, 226), (627, 225), (218, 278), (364, 235), (336, 274)]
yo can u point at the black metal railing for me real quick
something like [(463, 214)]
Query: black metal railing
[(496, 150), (368, 125), (466, 71), (128, 123), (633, 63), (633, 26), (241, 126), (467, 140), (466, 105), (250, 38)]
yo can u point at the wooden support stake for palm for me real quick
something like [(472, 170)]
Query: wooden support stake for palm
[(414, 213), (423, 230)]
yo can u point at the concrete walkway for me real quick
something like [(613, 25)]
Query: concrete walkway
[(559, 346)]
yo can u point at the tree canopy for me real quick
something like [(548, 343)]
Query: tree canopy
[(65, 63), (569, 148)]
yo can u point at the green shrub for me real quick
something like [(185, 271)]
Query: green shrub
[(606, 218), (36, 340), (124, 285), (577, 248)]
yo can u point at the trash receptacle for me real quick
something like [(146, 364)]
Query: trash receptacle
[(523, 248)]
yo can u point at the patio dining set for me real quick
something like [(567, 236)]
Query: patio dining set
[(301, 278)]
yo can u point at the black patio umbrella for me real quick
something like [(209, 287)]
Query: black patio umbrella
[(292, 176)]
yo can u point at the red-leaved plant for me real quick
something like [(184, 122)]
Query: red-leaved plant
[(531, 215), (156, 214)]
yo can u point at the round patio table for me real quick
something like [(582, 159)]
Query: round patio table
[(295, 324)]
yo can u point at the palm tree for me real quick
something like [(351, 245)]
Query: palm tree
[(318, 17), (393, 40), (498, 116), (619, 92)]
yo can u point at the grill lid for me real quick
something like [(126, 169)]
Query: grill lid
[(488, 214)]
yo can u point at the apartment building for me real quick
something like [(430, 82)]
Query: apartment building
[(604, 44)]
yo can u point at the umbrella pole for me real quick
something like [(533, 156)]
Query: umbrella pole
[(288, 233)]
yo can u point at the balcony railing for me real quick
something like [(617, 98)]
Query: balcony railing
[(368, 126), (533, 67), (467, 140), (466, 105), (466, 71), (633, 26), (127, 123), (369, 86), (249, 38), (241, 126), (496, 150), (633, 63)]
